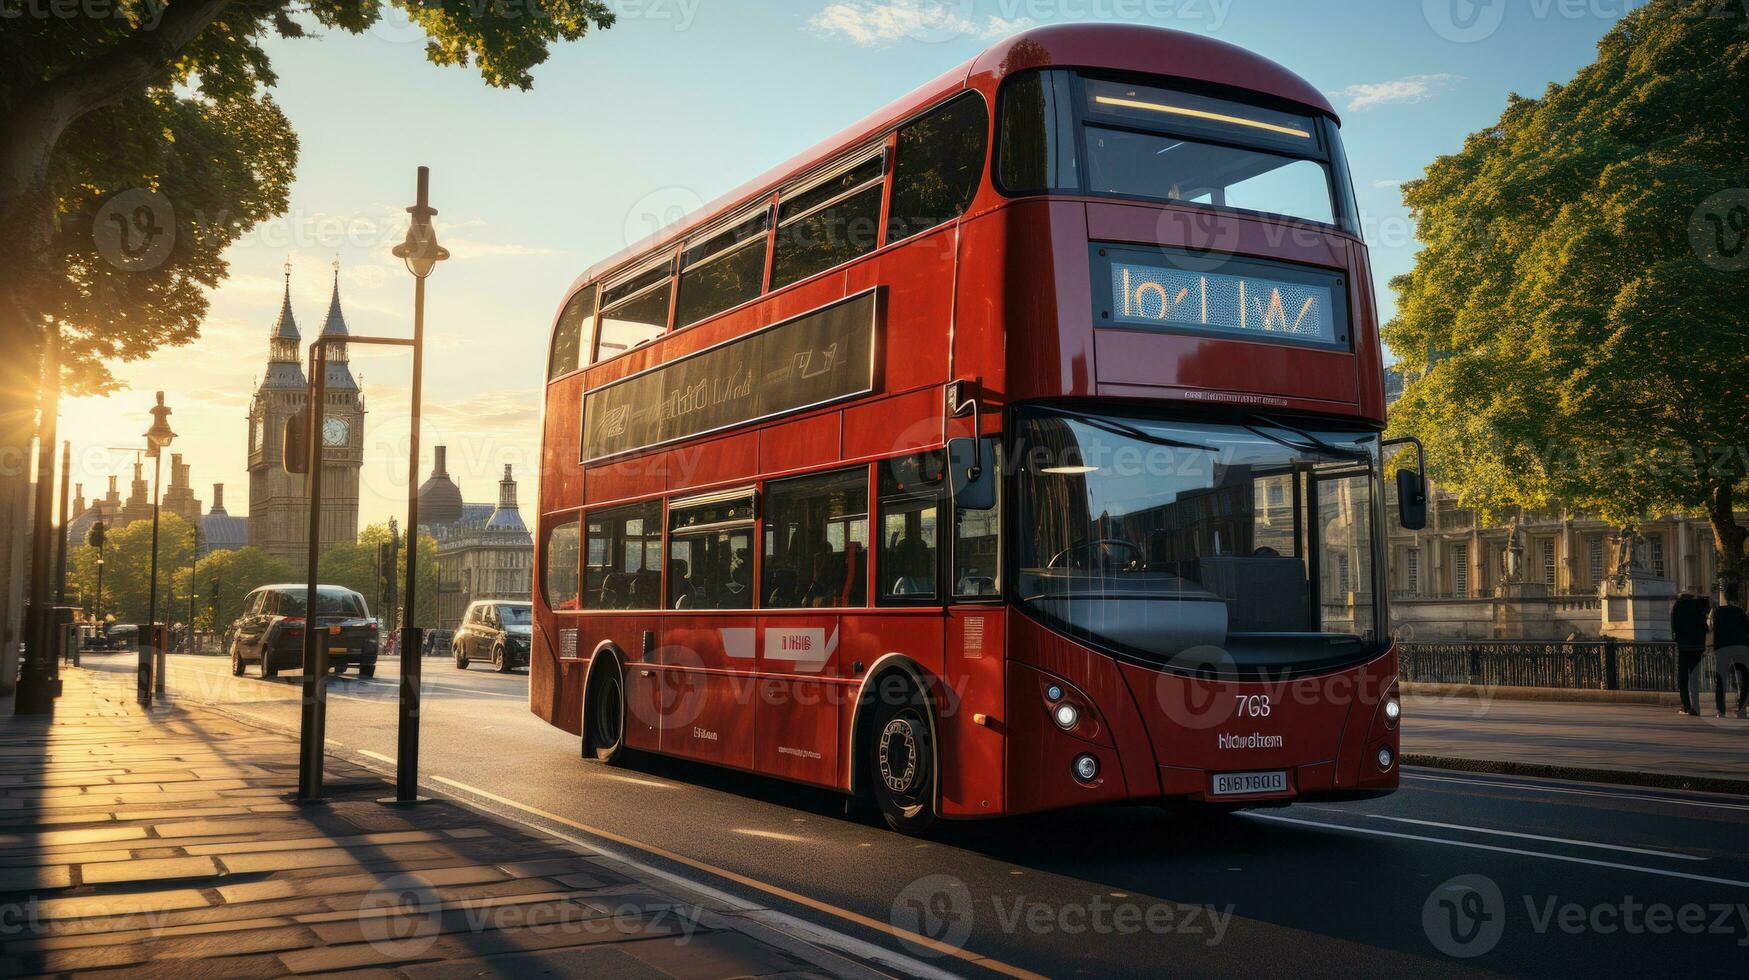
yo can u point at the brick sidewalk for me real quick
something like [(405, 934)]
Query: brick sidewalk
[(167, 845)]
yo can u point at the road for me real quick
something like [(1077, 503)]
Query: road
[(1456, 873)]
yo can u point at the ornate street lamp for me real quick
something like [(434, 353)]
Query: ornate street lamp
[(421, 253), (158, 439)]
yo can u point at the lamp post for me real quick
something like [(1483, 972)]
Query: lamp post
[(38, 682), (158, 439), (421, 253)]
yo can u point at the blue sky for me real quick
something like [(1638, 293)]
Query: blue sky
[(680, 101)]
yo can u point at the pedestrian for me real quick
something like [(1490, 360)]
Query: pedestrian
[(1688, 616), (1730, 650)]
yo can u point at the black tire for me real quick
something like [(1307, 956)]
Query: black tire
[(604, 715), (899, 758), (268, 670), (500, 662), (236, 663), (461, 660), (367, 669)]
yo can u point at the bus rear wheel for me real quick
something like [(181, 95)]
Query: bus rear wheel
[(604, 720), (900, 759)]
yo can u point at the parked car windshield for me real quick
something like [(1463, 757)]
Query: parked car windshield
[(516, 615)]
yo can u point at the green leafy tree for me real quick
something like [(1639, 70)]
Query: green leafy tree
[(127, 569), (353, 566), (223, 578), (139, 142), (1580, 300)]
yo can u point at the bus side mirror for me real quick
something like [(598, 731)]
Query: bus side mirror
[(1411, 485), (971, 476), (294, 444), (1411, 500)]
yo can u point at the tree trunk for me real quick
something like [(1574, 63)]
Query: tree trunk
[(1728, 537)]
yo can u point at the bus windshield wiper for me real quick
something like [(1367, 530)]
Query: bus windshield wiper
[(1315, 444), (1117, 428)]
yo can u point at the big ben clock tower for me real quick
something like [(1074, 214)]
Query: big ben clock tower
[(278, 502)]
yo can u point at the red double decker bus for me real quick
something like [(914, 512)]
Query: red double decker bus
[(1018, 448)]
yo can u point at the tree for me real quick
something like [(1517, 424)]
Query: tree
[(1580, 297), (137, 144), (127, 567), (222, 579)]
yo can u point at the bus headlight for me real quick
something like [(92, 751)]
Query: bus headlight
[(1086, 768), (1386, 757), (1066, 716), (1054, 693), (1393, 711)]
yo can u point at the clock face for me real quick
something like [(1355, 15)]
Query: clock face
[(334, 432)]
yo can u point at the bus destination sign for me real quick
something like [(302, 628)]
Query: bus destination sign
[(810, 360), (1225, 296)]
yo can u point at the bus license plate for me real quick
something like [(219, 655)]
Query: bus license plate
[(1246, 783)]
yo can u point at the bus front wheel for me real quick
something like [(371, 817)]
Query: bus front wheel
[(604, 721), (900, 754)]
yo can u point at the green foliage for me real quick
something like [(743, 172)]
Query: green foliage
[(127, 556), (174, 100), (222, 579), (1587, 337)]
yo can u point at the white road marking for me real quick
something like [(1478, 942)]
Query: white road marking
[(818, 934), (1646, 797), (1552, 840), (377, 756), (768, 834), (1473, 845), (635, 780)]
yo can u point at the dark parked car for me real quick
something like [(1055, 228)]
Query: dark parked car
[(494, 630), (270, 632)]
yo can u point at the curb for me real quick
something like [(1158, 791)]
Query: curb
[(1620, 777), (802, 939)]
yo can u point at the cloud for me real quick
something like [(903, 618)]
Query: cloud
[(874, 23), (1398, 91), (1387, 185), (475, 248)]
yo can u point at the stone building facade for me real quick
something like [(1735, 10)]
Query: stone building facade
[(484, 551)]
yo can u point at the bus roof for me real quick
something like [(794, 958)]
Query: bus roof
[(1122, 47)]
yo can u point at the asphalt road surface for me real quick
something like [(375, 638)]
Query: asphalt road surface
[(1456, 873)]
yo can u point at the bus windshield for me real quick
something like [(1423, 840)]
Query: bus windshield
[(1231, 549)]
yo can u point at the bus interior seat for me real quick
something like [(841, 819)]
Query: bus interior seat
[(783, 590), (615, 590), (679, 582), (855, 576)]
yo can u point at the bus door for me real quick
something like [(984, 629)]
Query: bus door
[(707, 656), (974, 669)]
